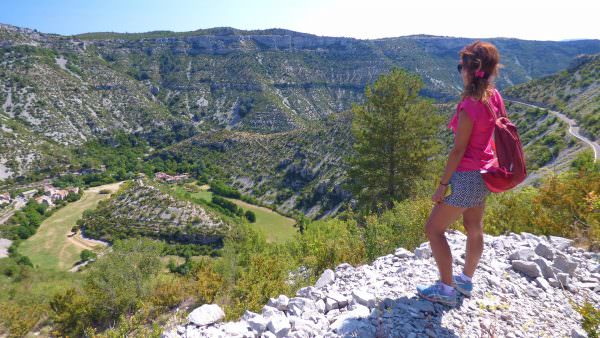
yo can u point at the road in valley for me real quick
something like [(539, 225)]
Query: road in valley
[(573, 128)]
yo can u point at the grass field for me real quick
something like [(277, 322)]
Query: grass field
[(51, 247), (276, 227)]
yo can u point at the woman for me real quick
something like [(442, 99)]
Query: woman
[(473, 126)]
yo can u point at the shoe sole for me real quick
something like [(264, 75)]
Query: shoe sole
[(436, 300), (463, 291)]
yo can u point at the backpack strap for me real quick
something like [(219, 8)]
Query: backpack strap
[(487, 104)]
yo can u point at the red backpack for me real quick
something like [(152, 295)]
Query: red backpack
[(508, 168)]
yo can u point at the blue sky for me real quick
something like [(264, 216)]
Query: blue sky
[(525, 19)]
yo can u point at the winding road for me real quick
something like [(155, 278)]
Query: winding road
[(573, 128)]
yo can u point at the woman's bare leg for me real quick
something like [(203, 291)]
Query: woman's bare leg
[(473, 223), (440, 218)]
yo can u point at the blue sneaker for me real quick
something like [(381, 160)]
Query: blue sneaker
[(434, 293), (462, 286)]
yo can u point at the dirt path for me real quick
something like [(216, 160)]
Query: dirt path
[(6, 216)]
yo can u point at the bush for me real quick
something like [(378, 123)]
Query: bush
[(86, 255), (72, 197), (250, 216), (326, 244), (220, 188), (116, 285), (590, 318), (226, 204)]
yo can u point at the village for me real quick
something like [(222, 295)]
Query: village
[(49, 194), (160, 176)]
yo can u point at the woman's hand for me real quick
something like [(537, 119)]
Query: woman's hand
[(439, 193)]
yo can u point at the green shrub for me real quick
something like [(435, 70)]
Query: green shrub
[(86, 255), (228, 205), (590, 318), (115, 285), (250, 216), (220, 188), (328, 243)]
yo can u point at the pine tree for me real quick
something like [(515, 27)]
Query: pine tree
[(394, 137)]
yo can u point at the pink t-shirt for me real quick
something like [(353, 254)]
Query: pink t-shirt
[(479, 154)]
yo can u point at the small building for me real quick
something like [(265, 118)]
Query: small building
[(44, 199), (58, 194), (29, 193), (169, 178), (5, 198)]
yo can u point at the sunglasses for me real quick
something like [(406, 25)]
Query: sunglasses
[(459, 67)]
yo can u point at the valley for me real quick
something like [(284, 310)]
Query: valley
[(200, 96), (146, 174)]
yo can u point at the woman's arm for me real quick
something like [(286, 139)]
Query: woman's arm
[(461, 139)]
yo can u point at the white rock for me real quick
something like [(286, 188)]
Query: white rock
[(330, 304), (327, 277), (544, 250), (257, 323), (297, 305), (350, 322), (542, 283), (206, 314), (364, 298), (486, 324), (320, 306), (560, 243), (269, 311), (565, 264), (340, 299), (530, 269), (233, 329), (310, 292), (423, 252), (547, 270), (268, 334), (279, 325), (403, 253), (578, 333), (523, 254), (280, 303)]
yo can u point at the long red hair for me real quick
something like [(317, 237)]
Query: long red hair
[(480, 57)]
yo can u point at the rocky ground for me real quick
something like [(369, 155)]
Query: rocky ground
[(523, 288)]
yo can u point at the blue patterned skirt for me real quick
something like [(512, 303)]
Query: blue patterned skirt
[(467, 189)]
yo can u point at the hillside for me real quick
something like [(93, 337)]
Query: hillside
[(141, 208), (59, 91), (301, 169), (574, 91), (523, 288)]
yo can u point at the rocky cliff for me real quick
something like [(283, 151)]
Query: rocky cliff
[(524, 286)]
